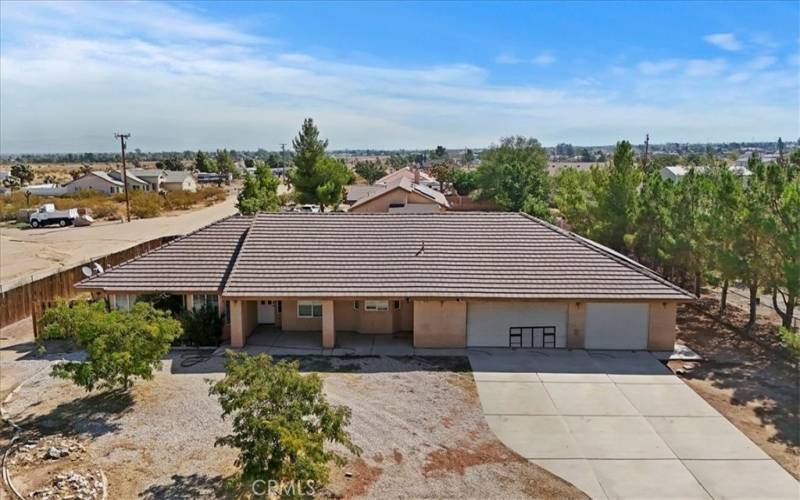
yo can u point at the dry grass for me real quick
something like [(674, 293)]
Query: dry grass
[(143, 204)]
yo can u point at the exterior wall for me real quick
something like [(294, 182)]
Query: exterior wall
[(488, 322), (328, 329), (440, 323), (576, 325), (244, 319), (93, 182), (661, 331), (616, 325), (349, 319), (381, 204), (291, 323), (188, 184)]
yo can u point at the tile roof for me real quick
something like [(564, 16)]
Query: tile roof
[(404, 173), (357, 191), (469, 255), (197, 262), (101, 175), (407, 185), (171, 176)]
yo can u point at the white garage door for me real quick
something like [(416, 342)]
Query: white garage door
[(616, 326), (488, 322)]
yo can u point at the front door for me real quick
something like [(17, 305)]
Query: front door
[(266, 312)]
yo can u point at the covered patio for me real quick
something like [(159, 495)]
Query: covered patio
[(276, 342)]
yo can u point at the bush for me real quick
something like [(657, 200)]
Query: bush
[(108, 211), (181, 199), (281, 420), (202, 327), (146, 205), (791, 338), (163, 302), (119, 345)]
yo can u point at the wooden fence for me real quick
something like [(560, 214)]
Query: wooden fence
[(23, 299)]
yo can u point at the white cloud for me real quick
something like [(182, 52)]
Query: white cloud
[(507, 58), (542, 59), (67, 87), (725, 41), (762, 62)]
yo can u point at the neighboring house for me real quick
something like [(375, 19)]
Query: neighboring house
[(412, 174), (152, 176), (677, 172), (99, 181), (356, 192), (178, 180), (45, 189), (451, 280), (402, 196), (135, 183), (766, 158)]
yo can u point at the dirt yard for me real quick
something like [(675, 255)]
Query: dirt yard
[(26, 252), (418, 422), (748, 377)]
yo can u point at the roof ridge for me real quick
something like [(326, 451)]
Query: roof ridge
[(165, 245), (609, 252), (234, 264)]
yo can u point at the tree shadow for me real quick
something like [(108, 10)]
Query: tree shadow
[(749, 368), (93, 416), (189, 486)]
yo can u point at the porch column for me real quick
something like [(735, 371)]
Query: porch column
[(328, 329), (237, 324), (189, 302)]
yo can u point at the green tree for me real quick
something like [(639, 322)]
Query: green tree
[(725, 221), (469, 157), (440, 153), (571, 190), (170, 163), (202, 163), (653, 240), (691, 232), (259, 193), (119, 345), (281, 420), (586, 156), (23, 172), (465, 181), (615, 191), (371, 171), (444, 173), (317, 178), (225, 164), (513, 174)]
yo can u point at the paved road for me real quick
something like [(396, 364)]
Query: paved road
[(620, 425), (27, 253)]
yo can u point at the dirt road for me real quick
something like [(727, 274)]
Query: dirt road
[(31, 253)]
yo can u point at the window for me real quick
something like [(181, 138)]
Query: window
[(124, 302), (397, 304), (376, 305), (309, 309), (355, 305), (209, 300)]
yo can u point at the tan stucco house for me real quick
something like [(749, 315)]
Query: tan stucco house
[(401, 196), (98, 181), (450, 279)]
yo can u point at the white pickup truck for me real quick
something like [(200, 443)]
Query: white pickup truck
[(47, 214)]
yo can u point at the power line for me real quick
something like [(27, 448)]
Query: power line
[(122, 138)]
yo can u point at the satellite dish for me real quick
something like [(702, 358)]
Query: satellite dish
[(87, 271), (98, 268)]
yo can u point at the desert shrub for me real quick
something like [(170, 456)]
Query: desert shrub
[(202, 327), (281, 421), (214, 193), (791, 338), (119, 345), (108, 211), (146, 205), (181, 200)]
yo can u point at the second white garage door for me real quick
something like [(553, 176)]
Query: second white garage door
[(488, 322), (616, 326)]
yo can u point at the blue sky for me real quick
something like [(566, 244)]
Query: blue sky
[(243, 75)]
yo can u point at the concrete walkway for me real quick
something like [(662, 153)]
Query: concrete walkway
[(621, 425)]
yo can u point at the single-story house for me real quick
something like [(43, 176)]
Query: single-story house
[(135, 183), (153, 176), (449, 279), (402, 196), (675, 173), (414, 175), (178, 180), (355, 192), (45, 189), (99, 181)]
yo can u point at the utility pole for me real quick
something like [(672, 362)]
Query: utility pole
[(122, 138), (283, 160), (646, 150)]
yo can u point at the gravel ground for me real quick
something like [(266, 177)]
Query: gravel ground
[(418, 422)]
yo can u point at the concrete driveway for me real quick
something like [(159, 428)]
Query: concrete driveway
[(620, 425)]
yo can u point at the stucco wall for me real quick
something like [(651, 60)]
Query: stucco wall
[(576, 325), (381, 203), (92, 182), (347, 318), (661, 333), (291, 323), (244, 319), (440, 323)]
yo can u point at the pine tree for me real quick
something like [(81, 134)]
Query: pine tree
[(616, 191)]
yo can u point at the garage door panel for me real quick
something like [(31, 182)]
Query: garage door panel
[(488, 322), (616, 326)]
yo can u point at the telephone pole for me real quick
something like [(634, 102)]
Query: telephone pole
[(646, 150), (122, 138), (283, 160)]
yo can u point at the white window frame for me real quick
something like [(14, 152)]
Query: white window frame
[(315, 305), (376, 305), (205, 299)]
